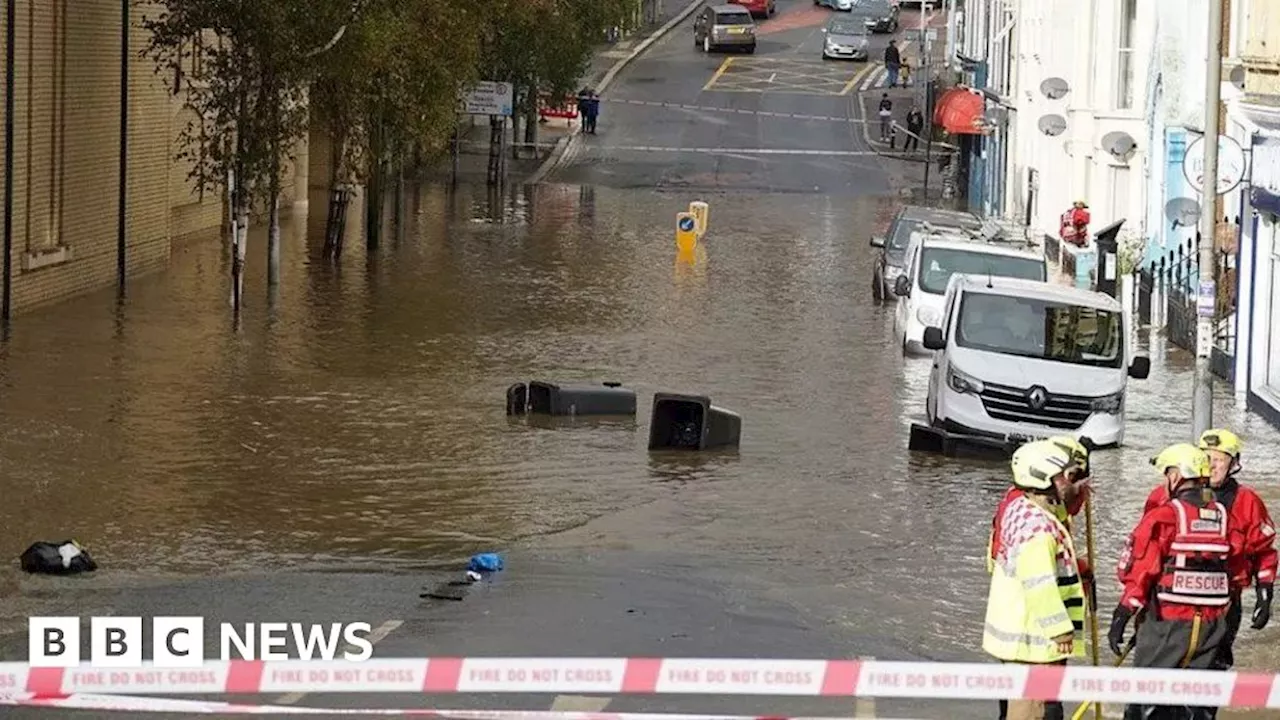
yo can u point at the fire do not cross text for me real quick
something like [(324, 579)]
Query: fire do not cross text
[(179, 642)]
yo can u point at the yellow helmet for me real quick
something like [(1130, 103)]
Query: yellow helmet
[(1078, 453), (1191, 461), (1222, 440), (1037, 463)]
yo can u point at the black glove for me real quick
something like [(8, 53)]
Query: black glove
[(1119, 621), (1262, 608)]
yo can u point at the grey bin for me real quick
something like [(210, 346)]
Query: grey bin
[(606, 399), (691, 422)]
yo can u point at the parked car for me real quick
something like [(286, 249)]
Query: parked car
[(932, 260), (723, 26), (835, 4), (890, 262), (1019, 360), (758, 8), (880, 16), (847, 39)]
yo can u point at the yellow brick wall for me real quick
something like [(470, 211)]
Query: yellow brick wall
[(66, 149)]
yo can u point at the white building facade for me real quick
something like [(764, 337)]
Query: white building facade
[(1253, 120), (1050, 151)]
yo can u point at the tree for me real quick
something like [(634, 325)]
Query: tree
[(390, 94), (251, 97)]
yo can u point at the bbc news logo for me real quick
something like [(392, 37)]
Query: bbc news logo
[(179, 642)]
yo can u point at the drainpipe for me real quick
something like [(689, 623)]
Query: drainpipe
[(121, 198), (5, 306)]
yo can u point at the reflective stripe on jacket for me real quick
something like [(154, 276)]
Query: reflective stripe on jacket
[(1036, 594)]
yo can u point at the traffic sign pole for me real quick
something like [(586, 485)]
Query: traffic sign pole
[(1202, 397)]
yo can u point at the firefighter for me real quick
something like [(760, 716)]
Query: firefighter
[(1035, 607), (1254, 560), (1176, 579)]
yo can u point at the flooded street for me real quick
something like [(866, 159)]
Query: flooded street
[(358, 424)]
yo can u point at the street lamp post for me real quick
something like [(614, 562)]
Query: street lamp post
[(1202, 398)]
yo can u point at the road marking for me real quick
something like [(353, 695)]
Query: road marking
[(873, 79), (740, 111), (375, 637), (773, 77), (854, 80), (580, 703), (724, 67), (729, 150)]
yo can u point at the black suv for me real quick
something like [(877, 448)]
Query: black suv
[(880, 15), (893, 246)]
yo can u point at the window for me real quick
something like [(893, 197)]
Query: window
[(937, 265), (1120, 193), (1125, 57), (1027, 327)]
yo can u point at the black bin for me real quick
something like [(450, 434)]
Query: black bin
[(517, 399), (610, 398), (691, 422)]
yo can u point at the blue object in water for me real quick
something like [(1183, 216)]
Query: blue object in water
[(485, 562)]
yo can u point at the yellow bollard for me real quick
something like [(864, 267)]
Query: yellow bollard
[(686, 232), (700, 212)]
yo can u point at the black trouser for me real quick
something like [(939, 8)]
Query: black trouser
[(1226, 655), (590, 124), (913, 141), (1170, 644)]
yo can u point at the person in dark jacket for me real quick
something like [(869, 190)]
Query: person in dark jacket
[(593, 112), (892, 62), (915, 126)]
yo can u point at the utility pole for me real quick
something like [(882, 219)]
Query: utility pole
[(1202, 399)]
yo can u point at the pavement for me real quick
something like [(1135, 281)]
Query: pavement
[(634, 603), (779, 120)]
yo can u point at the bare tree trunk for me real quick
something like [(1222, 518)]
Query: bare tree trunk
[(273, 226)]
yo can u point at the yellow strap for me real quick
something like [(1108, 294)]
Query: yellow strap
[(1195, 641)]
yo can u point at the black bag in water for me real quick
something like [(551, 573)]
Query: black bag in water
[(61, 558)]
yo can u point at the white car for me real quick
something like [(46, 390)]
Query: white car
[(931, 261), (1018, 360)]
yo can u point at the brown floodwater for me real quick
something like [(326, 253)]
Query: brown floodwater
[(355, 417)]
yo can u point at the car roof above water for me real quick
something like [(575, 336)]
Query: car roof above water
[(1034, 289), (728, 9), (938, 216), (956, 242)]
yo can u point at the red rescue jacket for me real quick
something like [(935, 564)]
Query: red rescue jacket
[(1175, 557), (1082, 564), (1253, 532)]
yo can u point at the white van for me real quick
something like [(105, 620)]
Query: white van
[(1020, 360), (932, 260)]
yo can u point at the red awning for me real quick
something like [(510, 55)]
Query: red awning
[(960, 111)]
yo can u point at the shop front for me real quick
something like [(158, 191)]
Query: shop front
[(1260, 259)]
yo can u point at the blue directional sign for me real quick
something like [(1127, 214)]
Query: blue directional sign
[(686, 231), (687, 224)]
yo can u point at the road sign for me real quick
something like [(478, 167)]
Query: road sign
[(488, 98), (1231, 164), (686, 231), (1207, 300), (699, 211)]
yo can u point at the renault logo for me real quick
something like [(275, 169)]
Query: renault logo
[(1037, 398)]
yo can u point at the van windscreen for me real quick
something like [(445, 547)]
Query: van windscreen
[(938, 264), (1028, 327)]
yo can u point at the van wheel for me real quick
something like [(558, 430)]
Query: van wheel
[(877, 290), (751, 50), (706, 44)]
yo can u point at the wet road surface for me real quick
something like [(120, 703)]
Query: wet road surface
[(346, 444), (781, 120)]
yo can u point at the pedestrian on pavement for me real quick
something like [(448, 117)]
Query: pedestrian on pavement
[(584, 97), (1035, 607), (1075, 224), (593, 112), (1176, 578), (915, 126), (892, 62), (1255, 560), (886, 117)]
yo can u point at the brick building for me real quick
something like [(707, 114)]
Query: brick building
[(69, 114)]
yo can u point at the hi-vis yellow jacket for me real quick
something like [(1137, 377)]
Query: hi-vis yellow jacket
[(1036, 594)]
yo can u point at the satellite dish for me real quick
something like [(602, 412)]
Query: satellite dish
[(1237, 77), (1055, 88), (1183, 212), (1120, 144), (1053, 125)]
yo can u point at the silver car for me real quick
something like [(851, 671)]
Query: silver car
[(836, 4), (846, 38)]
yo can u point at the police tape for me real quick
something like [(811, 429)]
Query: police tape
[(191, 707), (814, 678)]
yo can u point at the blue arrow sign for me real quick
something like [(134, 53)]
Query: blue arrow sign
[(686, 224)]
